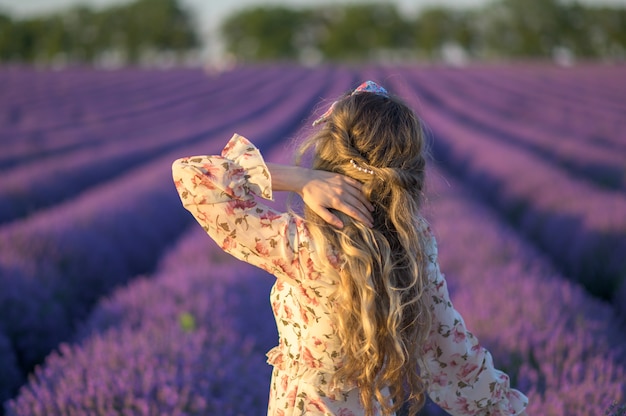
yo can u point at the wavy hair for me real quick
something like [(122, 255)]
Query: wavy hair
[(381, 317)]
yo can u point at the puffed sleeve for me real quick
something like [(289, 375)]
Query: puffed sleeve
[(459, 372), (220, 190)]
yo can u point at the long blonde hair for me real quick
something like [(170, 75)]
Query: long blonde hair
[(381, 317)]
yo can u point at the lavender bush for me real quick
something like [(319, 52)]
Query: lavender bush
[(151, 134), (156, 370), (585, 105), (187, 341), (73, 254), (452, 91)]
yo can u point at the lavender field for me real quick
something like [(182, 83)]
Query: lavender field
[(114, 302)]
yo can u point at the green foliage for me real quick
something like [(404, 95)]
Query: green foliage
[(264, 33), (139, 31), (354, 32), (82, 35), (187, 322), (368, 31), (436, 26), (343, 33)]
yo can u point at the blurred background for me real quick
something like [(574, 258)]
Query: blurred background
[(113, 300), (115, 33)]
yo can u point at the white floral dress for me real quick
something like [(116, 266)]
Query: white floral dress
[(220, 192)]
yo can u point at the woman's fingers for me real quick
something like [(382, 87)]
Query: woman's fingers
[(355, 207), (328, 190), (330, 217), (350, 200)]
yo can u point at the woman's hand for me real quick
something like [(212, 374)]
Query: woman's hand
[(325, 190), (322, 191)]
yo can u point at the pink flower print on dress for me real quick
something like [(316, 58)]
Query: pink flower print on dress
[(284, 382), (291, 397), (311, 270), (203, 181), (288, 312), (234, 141), (261, 248), (210, 170), (283, 268), (239, 204), (428, 346), (466, 370), (320, 346), (268, 217), (459, 334), (276, 307), (314, 405), (202, 215), (440, 379), (455, 360), (229, 243), (463, 405), (305, 315), (309, 359), (310, 296)]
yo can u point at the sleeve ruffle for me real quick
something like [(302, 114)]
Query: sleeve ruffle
[(241, 152), (513, 403)]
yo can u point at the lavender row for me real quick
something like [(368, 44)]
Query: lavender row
[(123, 124), (493, 113), (582, 227), (561, 346), (167, 345), (24, 189), (70, 94), (568, 103), (595, 88), (61, 260), (579, 119), (599, 85)]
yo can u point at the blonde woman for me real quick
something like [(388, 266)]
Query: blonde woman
[(365, 322)]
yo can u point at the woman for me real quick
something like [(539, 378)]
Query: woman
[(364, 317)]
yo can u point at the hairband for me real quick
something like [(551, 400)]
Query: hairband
[(367, 86)]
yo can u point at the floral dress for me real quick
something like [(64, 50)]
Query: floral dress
[(221, 192)]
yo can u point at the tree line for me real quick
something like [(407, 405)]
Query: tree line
[(145, 31), (503, 29), (117, 35)]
